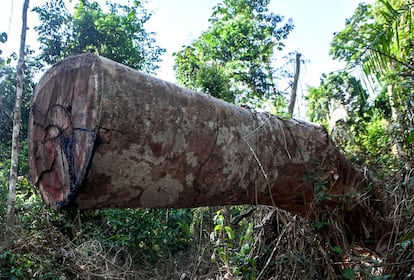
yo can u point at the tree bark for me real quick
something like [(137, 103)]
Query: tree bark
[(11, 203), (104, 135), (293, 92)]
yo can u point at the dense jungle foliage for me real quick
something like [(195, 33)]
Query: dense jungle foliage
[(368, 109)]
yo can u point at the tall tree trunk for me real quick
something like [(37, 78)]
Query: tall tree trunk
[(396, 148), (104, 135), (11, 204), (293, 92)]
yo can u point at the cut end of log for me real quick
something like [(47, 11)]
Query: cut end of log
[(62, 127)]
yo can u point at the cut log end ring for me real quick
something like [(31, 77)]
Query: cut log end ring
[(57, 158)]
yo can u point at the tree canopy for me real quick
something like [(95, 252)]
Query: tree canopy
[(117, 34), (233, 58), (336, 87), (379, 38)]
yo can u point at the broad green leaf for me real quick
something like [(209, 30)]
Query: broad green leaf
[(229, 232), (218, 228), (337, 249), (349, 274), (320, 224), (410, 137)]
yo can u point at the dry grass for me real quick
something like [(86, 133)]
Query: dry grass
[(285, 246)]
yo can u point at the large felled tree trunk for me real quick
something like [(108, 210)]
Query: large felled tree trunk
[(104, 135)]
